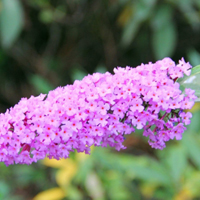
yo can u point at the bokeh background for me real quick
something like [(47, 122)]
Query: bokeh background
[(45, 44)]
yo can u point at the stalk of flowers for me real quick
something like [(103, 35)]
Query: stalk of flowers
[(98, 110)]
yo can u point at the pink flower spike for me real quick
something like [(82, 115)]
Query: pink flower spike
[(99, 110)]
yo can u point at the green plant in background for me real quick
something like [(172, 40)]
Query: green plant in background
[(160, 17)]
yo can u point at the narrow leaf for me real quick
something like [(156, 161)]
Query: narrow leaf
[(11, 21), (176, 161), (164, 41), (40, 84), (164, 32), (51, 194)]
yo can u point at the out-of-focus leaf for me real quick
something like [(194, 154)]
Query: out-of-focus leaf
[(77, 73), (85, 164), (192, 81), (195, 108), (190, 189), (130, 31), (164, 36), (11, 21), (164, 41), (183, 194), (81, 157), (40, 84), (189, 11), (194, 125), (140, 12), (73, 193), (194, 57), (101, 69), (84, 169), (46, 16), (4, 190), (62, 163), (176, 160), (148, 189), (195, 70), (51, 194), (39, 3), (64, 175), (116, 188), (197, 3), (25, 174), (106, 159), (161, 16), (94, 186), (193, 147), (146, 169), (125, 15)]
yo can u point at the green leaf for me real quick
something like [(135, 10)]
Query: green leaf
[(194, 57), (193, 147), (140, 13), (176, 161), (4, 189), (11, 21), (197, 3), (129, 32), (77, 73), (164, 36), (82, 174), (117, 187), (195, 70), (146, 169), (192, 81), (101, 69), (73, 193), (40, 84), (164, 41), (46, 16), (192, 184), (194, 126)]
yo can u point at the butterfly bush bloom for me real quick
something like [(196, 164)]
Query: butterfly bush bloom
[(98, 110)]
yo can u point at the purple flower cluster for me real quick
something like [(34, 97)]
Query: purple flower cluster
[(99, 111)]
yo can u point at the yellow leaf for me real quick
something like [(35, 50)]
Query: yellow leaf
[(184, 194), (190, 189), (65, 175), (62, 163), (148, 189), (51, 194), (81, 156), (195, 108)]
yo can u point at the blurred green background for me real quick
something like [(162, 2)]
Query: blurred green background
[(46, 43)]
